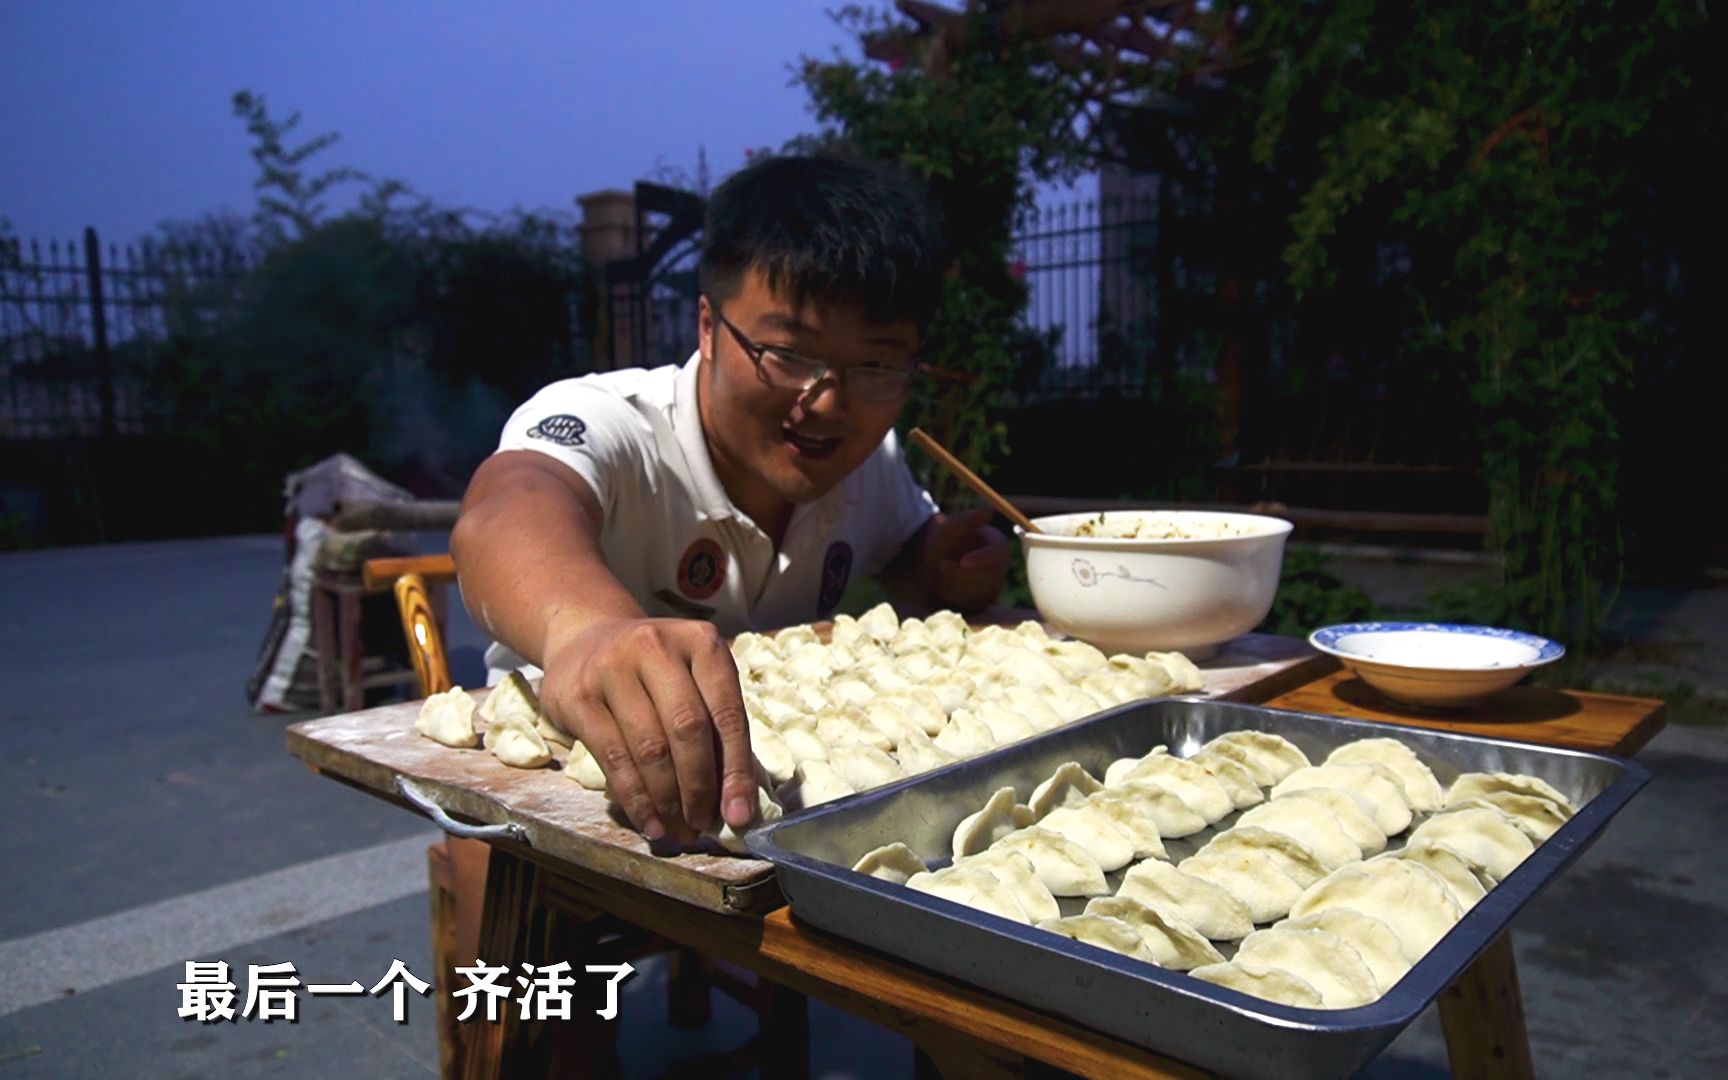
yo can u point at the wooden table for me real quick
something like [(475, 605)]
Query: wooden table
[(969, 1032)]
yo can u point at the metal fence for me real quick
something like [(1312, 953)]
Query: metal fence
[(76, 320), (1093, 272)]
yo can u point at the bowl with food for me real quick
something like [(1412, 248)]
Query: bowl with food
[(1166, 580), (1436, 665)]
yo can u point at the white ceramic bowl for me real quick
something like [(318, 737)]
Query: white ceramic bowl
[(1436, 665), (1138, 595)]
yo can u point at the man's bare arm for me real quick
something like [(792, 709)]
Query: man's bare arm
[(655, 700), (527, 548)]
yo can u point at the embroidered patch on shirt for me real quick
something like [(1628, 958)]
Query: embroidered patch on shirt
[(702, 569), (836, 573), (564, 429)]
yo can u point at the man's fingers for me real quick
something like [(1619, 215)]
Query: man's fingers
[(603, 739), (684, 716), (650, 747), (993, 552), (717, 677)]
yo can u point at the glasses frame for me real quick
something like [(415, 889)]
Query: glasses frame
[(842, 376)]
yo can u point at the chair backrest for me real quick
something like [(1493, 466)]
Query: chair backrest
[(408, 578)]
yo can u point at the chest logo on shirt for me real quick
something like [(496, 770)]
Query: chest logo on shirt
[(702, 570), (836, 573), (563, 429)]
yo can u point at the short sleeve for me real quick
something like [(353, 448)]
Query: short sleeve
[(598, 434)]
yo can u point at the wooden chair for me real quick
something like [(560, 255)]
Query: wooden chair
[(456, 872)]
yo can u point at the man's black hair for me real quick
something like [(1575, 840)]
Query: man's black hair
[(827, 230)]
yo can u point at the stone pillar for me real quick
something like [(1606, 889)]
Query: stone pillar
[(608, 235)]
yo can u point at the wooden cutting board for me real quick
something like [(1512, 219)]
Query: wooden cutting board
[(373, 748)]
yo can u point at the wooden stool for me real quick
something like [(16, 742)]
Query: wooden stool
[(345, 670)]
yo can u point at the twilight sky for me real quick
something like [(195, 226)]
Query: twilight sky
[(117, 114)]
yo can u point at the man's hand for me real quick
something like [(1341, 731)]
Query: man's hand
[(968, 559), (657, 702)]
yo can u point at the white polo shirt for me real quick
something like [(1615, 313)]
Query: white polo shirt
[(673, 538)]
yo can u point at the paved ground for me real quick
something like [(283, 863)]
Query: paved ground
[(151, 818)]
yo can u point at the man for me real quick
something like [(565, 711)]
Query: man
[(631, 520)]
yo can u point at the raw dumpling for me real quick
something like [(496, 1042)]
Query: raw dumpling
[(1031, 704), (1310, 822), (1015, 870), (794, 638), (1288, 854), (1539, 818), (1486, 836), (1115, 774), (1252, 875), (891, 862), (772, 755), (1267, 983), (1210, 909), (511, 700), (850, 689), (1104, 932), (846, 725), (880, 623), (1005, 724), (1075, 659), (973, 886), (1348, 809), (1475, 785), (847, 632), (1185, 678), (1372, 939), (755, 652), (1173, 943), (1376, 785), (1237, 780), (999, 816), (1270, 757), (1405, 895), (918, 754), (581, 767), (1067, 786), (952, 690), (911, 636), (1091, 828), (1139, 827), (515, 742), (766, 810), (448, 718), (1065, 868), (1197, 787), (801, 739), (813, 783), (1323, 960), (965, 735), (864, 767), (1454, 869), (1173, 816), (1421, 789), (1070, 702), (808, 663)]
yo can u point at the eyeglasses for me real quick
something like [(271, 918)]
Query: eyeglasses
[(784, 369)]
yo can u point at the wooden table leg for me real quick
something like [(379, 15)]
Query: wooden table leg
[(783, 1031), (511, 934), (1483, 1016), (324, 640), (689, 1001), (352, 646)]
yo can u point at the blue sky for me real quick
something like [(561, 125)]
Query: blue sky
[(117, 114)]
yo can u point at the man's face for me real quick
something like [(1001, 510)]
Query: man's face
[(788, 445)]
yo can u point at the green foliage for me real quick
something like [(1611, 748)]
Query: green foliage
[(1500, 144), (396, 330), (1311, 596), (975, 137)]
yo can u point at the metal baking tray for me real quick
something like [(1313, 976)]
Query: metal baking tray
[(1164, 1011)]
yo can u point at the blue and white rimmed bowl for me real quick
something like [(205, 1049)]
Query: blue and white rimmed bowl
[(1436, 665)]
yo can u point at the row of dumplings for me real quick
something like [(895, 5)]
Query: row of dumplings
[(1299, 887), (887, 698)]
